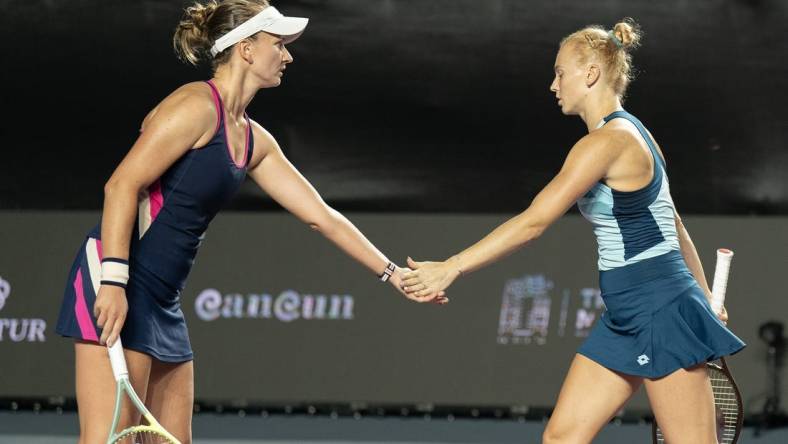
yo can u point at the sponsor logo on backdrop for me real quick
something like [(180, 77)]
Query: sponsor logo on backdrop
[(287, 306), (18, 329), (5, 291), (534, 309)]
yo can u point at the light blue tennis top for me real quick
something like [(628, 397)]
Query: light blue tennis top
[(631, 226)]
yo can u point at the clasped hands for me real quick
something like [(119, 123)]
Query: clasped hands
[(426, 281)]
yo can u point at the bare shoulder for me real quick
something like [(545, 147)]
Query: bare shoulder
[(618, 132), (629, 136), (262, 137), (656, 144), (264, 143), (193, 101), (260, 132), (602, 144)]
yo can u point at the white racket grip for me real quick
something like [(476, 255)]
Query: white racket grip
[(720, 285), (118, 361)]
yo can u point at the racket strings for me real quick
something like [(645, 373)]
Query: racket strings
[(143, 433), (726, 400), (142, 437), (726, 403)]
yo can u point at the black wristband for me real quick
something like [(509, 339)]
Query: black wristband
[(116, 260), (114, 284), (388, 272)]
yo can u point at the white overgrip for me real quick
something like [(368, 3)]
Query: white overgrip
[(720, 284), (118, 361)]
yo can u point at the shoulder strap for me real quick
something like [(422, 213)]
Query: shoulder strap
[(641, 129), (217, 101), (249, 140)]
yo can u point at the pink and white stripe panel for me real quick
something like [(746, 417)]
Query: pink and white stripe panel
[(84, 319), (150, 204)]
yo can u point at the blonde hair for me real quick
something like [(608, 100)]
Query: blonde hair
[(609, 48), (203, 23)]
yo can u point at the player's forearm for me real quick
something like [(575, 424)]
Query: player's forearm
[(120, 209), (501, 242), (691, 257), (339, 230)]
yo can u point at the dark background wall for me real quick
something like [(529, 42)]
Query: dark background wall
[(408, 105)]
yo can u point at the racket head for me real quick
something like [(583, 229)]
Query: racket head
[(143, 434), (150, 433), (727, 405), (736, 405)]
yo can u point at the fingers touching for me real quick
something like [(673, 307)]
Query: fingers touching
[(110, 310)]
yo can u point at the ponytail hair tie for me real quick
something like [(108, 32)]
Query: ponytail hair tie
[(615, 39)]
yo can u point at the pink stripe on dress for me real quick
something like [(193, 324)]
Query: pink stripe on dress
[(81, 309), (218, 103), (156, 200)]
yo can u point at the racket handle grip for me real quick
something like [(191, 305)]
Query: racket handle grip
[(117, 360), (720, 284)]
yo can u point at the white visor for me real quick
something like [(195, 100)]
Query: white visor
[(269, 20)]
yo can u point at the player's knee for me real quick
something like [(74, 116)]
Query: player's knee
[(549, 438), (558, 435), (551, 435), (93, 436)]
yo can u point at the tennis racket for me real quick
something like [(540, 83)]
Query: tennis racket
[(151, 433), (727, 399)]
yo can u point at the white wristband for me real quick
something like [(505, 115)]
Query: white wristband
[(114, 271)]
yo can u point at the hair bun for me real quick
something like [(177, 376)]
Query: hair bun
[(191, 39), (628, 33), (200, 14)]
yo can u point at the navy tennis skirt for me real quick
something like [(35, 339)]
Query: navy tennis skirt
[(657, 320), (154, 325)]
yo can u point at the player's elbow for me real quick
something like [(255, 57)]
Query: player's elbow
[(531, 228), (679, 224), (532, 232), (115, 187), (537, 230), (111, 186), (325, 223)]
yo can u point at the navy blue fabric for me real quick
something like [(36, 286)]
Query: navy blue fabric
[(67, 324), (657, 320), (194, 189), (639, 229), (155, 323)]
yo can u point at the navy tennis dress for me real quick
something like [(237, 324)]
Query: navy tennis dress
[(172, 217), (658, 319)]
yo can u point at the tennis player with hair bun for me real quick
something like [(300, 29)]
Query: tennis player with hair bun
[(659, 329), (194, 151)]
